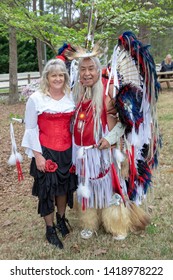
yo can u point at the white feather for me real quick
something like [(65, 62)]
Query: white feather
[(19, 157), (83, 191), (80, 153), (119, 155), (135, 138), (127, 68), (13, 157)]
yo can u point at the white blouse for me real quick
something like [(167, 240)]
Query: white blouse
[(36, 105)]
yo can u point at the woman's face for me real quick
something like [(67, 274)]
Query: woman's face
[(56, 80), (169, 58), (88, 73)]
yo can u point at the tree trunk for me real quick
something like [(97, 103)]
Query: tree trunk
[(144, 34), (13, 90), (39, 55), (39, 44)]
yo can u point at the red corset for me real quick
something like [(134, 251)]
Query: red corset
[(54, 130)]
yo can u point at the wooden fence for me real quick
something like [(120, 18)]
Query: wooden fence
[(23, 79)]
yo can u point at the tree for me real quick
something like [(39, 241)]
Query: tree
[(67, 21), (13, 91)]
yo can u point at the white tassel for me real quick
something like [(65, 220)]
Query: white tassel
[(80, 153), (119, 155), (13, 157), (14, 153), (83, 191)]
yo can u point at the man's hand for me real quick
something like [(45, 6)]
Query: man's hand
[(103, 144)]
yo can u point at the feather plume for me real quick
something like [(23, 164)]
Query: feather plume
[(139, 218), (128, 104), (90, 218), (78, 52), (83, 191), (13, 157), (116, 220)]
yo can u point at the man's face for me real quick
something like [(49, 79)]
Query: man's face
[(89, 74)]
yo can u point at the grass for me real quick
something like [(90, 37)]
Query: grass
[(22, 231)]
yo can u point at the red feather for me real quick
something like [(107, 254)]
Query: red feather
[(116, 183)]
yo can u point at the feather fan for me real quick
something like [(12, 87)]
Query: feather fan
[(127, 69)]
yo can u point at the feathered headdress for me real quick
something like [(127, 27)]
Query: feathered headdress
[(78, 52)]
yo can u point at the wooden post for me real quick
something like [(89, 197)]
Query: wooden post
[(29, 78)]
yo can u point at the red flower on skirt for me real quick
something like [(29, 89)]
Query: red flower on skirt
[(72, 169), (51, 166)]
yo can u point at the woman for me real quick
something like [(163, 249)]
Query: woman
[(167, 64), (48, 142)]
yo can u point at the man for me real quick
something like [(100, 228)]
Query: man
[(99, 192), (114, 153)]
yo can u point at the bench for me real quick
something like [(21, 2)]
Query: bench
[(165, 77)]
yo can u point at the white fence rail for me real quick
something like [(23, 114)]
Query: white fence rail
[(23, 79)]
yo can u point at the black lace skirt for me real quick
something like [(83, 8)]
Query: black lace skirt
[(50, 184)]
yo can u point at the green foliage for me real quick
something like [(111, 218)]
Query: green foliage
[(67, 21), (17, 116), (4, 51), (27, 56)]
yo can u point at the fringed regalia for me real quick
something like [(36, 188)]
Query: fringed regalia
[(136, 92), (117, 180)]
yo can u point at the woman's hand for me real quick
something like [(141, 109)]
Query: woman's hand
[(40, 161)]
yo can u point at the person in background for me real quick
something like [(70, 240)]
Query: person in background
[(48, 141), (167, 64)]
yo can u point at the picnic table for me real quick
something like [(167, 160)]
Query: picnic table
[(165, 77)]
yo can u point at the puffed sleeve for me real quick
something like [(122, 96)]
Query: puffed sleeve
[(31, 135)]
